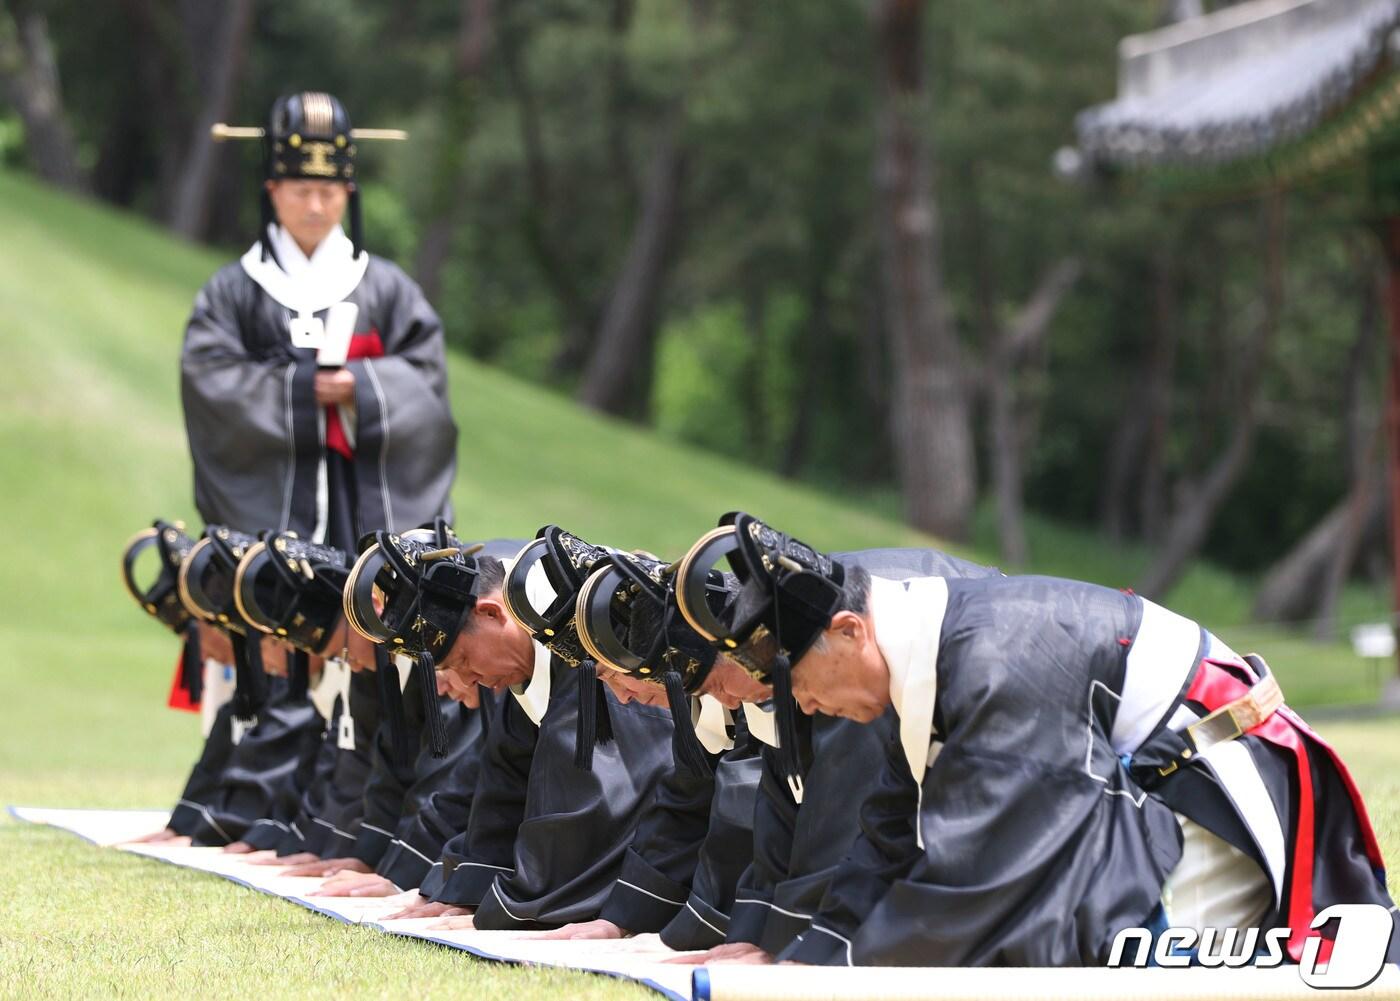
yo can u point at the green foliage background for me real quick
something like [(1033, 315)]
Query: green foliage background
[(769, 345)]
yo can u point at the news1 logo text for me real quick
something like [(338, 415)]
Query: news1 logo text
[(1363, 933)]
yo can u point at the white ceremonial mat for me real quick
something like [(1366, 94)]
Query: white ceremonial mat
[(639, 958), (636, 958)]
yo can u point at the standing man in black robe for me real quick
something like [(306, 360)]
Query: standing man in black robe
[(313, 377)]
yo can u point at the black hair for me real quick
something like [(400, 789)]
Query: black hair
[(490, 575), (855, 596), (490, 578), (855, 592)]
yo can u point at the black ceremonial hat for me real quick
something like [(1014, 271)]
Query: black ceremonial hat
[(427, 580), (787, 593), (206, 577), (566, 561), (160, 598), (207, 590), (292, 588), (786, 589), (627, 620), (308, 135)]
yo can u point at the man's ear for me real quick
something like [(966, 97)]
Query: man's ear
[(492, 608), (848, 625)]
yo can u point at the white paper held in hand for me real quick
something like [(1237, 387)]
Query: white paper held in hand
[(340, 328)]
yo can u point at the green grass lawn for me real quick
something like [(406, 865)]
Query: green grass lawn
[(92, 448)]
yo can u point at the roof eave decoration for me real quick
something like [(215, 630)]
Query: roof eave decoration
[(1263, 92)]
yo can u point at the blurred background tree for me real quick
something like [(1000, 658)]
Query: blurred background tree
[(825, 237)]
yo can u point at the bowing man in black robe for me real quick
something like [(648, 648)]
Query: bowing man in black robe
[(799, 842), (546, 839), (314, 387), (424, 772), (1058, 744), (695, 837)]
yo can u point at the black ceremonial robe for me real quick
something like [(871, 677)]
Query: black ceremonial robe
[(411, 812), (267, 456), (414, 802), (692, 846), (1034, 713), (798, 847), (258, 438), (234, 785), (332, 804), (546, 840)]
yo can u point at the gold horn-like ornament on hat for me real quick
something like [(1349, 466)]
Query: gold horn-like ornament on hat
[(220, 132)]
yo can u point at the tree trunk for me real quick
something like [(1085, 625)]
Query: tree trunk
[(619, 89), (1201, 498), (932, 427), (1012, 346), (29, 82), (1363, 435), (1290, 589), (448, 194), (1124, 462), (615, 365), (578, 315), (189, 210), (1157, 398), (1365, 507)]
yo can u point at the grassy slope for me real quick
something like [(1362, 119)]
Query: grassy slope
[(91, 448)]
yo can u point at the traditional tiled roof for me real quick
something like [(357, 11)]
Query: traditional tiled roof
[(1247, 81)]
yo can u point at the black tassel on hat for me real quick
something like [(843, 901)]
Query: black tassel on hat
[(685, 745), (785, 707), (298, 674), (401, 737), (192, 664), (248, 670), (594, 723), (267, 219), (357, 226), (785, 713), (435, 729)]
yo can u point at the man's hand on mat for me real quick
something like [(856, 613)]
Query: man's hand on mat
[(463, 922), (328, 867), (297, 858), (238, 848), (155, 837), (730, 952), (425, 908), (597, 928), (356, 885)]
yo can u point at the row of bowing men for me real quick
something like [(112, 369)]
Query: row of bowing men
[(759, 751)]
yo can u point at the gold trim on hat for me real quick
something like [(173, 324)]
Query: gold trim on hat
[(183, 582), (585, 594), (220, 132), (347, 602), (238, 575), (146, 533), (683, 571), (318, 112)]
